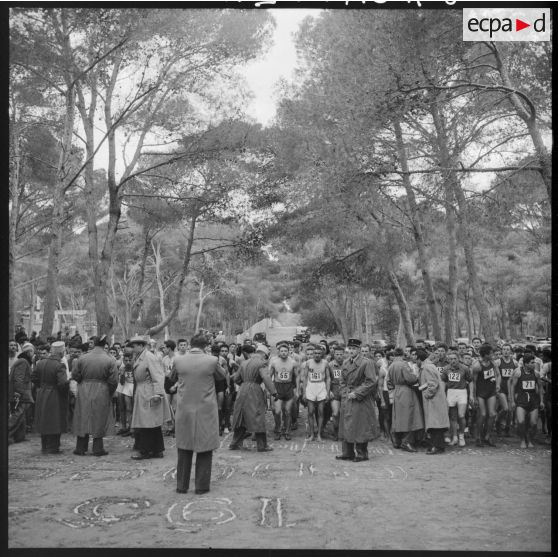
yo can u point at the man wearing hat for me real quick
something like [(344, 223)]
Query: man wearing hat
[(250, 405), (151, 408), (97, 377), (357, 423), (50, 378), (19, 384), (284, 373)]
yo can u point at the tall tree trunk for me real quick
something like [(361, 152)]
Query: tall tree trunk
[(426, 326), (138, 305), (451, 298), (182, 278), (200, 306), (526, 111), (418, 233), (512, 326), (15, 178), (367, 320), (62, 176), (157, 260), (465, 221), (458, 332), (403, 308)]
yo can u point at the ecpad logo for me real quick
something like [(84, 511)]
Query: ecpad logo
[(506, 24)]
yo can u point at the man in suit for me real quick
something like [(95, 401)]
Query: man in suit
[(197, 418)]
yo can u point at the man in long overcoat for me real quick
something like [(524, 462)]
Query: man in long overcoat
[(357, 418), (151, 409), (51, 405), (197, 419), (250, 404), (435, 405), (19, 384), (407, 413), (97, 377)]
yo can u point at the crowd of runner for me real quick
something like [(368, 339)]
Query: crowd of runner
[(474, 393)]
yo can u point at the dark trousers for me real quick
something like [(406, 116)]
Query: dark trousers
[(348, 449), (202, 473), (437, 438), (238, 437), (403, 437), (149, 440), (353, 449), (50, 443), (82, 444)]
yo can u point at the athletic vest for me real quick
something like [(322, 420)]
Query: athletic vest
[(526, 386), (506, 371), (316, 370), (335, 372), (486, 377), (283, 370)]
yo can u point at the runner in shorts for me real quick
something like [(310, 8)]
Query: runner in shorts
[(284, 373), (335, 386), (315, 377), (507, 365), (525, 390), (457, 378), (486, 379)]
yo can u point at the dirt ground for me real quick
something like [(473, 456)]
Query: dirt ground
[(298, 496)]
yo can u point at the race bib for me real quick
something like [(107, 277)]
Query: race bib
[(489, 374), (454, 376), (506, 372), (337, 373), (315, 376), (284, 375), (528, 384)]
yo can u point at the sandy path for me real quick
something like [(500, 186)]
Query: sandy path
[(297, 496)]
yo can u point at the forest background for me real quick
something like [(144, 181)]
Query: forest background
[(402, 190)]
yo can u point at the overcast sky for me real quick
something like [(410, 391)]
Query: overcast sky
[(278, 62)]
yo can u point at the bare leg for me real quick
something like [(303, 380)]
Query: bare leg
[(531, 433), (335, 415), (453, 421), (481, 417), (287, 418), (277, 417), (491, 409), (521, 430), (320, 419), (461, 411), (311, 412)]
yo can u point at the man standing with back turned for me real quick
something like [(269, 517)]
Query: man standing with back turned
[(97, 377), (197, 419)]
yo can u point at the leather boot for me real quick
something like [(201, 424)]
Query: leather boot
[(347, 453)]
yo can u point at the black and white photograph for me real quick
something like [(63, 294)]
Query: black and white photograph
[(279, 277)]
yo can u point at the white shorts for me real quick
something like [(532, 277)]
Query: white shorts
[(316, 391), (457, 397)]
